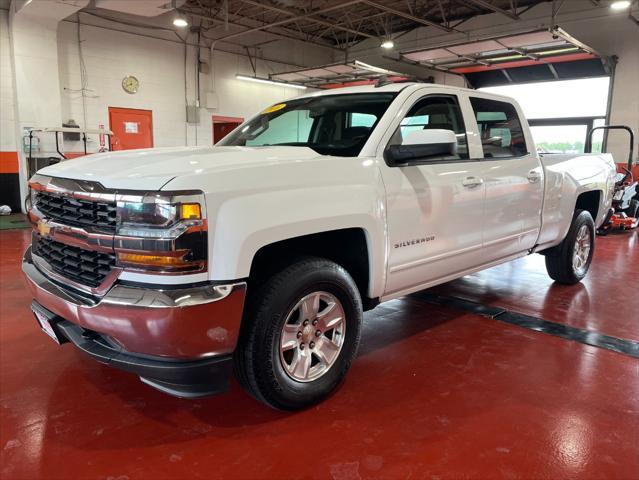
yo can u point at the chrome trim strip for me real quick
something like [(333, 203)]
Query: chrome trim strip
[(188, 297), (95, 191), (81, 189), (101, 242), (75, 236)]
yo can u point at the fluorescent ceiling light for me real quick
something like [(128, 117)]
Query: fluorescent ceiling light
[(270, 82), (561, 50), (371, 68), (180, 22), (621, 5), (508, 57), (387, 44)]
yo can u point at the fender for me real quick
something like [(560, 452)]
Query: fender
[(563, 187), (294, 199)]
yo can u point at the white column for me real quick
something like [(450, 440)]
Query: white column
[(34, 53)]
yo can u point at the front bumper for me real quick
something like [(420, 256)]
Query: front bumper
[(158, 332), (185, 379)]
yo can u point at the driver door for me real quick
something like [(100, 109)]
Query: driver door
[(435, 204)]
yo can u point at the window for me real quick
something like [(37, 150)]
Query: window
[(435, 113), (502, 135), (290, 127), (329, 124), (559, 99), (559, 117), (362, 120)]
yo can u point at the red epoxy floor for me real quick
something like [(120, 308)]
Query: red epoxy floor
[(435, 393), (606, 301)]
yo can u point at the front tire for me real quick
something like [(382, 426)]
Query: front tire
[(569, 262), (300, 334)]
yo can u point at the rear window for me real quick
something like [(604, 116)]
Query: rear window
[(502, 135)]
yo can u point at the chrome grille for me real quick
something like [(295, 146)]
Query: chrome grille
[(83, 266), (96, 216)]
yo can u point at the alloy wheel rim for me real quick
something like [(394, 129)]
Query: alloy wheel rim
[(581, 252), (312, 336)]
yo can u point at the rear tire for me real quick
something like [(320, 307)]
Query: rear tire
[(300, 334), (569, 262)]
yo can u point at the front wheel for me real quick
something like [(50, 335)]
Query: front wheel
[(570, 261), (300, 334)]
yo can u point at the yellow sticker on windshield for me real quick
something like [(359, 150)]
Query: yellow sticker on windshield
[(273, 108)]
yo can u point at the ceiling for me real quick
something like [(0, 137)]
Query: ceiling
[(246, 26), (340, 24), (530, 56)]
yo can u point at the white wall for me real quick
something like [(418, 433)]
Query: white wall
[(159, 65), (7, 108), (109, 57), (33, 41), (607, 32)]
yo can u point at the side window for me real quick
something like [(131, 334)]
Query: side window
[(435, 112), (502, 135)]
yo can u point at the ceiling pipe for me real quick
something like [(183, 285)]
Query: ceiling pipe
[(408, 16), (493, 8), (290, 20), (311, 18), (275, 34)]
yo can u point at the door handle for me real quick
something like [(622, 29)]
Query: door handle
[(472, 182), (534, 176)]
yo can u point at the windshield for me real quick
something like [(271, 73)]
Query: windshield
[(330, 124)]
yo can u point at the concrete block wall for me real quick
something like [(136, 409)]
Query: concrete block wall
[(7, 108), (159, 65), (9, 163), (166, 70), (109, 57), (167, 84)]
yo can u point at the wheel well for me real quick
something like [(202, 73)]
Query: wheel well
[(345, 247), (590, 202)]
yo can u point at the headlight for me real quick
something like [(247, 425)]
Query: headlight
[(164, 232)]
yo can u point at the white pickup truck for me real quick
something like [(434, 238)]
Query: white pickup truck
[(260, 254)]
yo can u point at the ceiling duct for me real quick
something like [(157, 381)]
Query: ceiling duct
[(143, 8)]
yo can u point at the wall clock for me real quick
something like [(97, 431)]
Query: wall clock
[(130, 84)]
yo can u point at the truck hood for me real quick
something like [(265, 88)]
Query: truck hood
[(151, 169)]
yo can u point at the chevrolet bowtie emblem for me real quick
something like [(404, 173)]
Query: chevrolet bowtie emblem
[(43, 228)]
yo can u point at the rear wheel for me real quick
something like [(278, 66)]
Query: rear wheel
[(300, 334), (570, 261)]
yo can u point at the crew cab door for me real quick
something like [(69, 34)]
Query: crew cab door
[(513, 178), (435, 203)]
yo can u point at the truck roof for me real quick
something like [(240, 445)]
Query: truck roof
[(396, 87)]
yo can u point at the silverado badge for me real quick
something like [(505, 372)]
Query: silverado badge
[(414, 241)]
